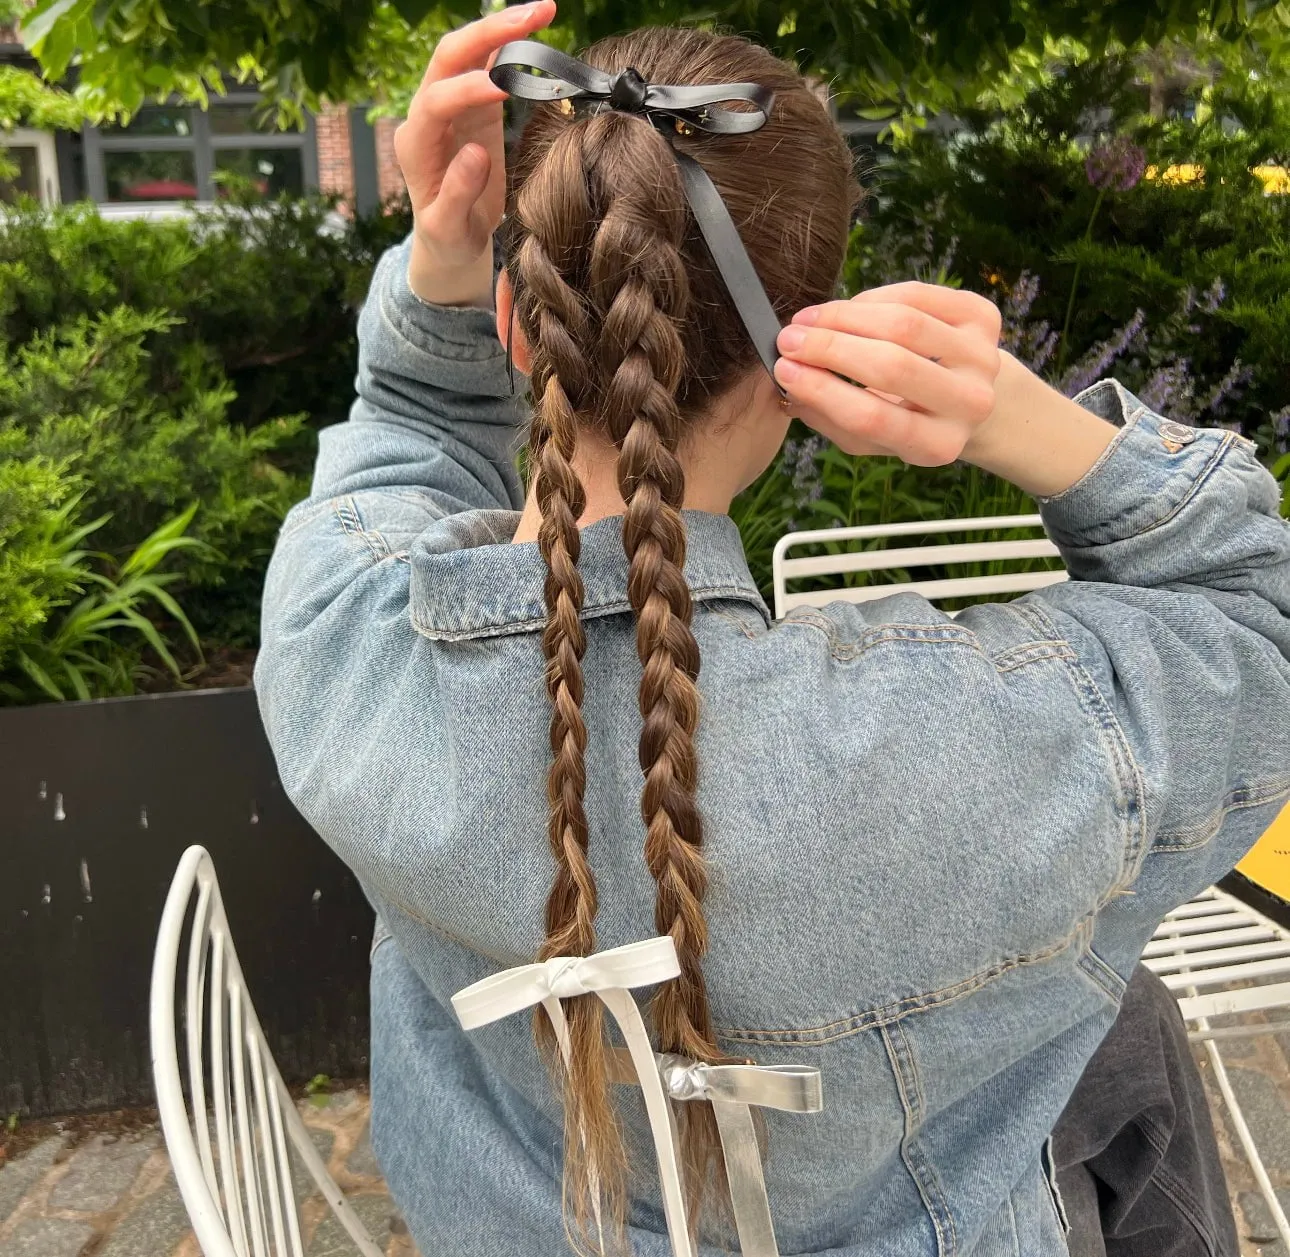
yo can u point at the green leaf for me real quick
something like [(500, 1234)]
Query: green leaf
[(37, 24), (40, 676)]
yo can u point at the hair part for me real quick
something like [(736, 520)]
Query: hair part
[(632, 337)]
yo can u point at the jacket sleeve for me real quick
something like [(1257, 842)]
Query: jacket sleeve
[(433, 432), (434, 414), (1178, 610)]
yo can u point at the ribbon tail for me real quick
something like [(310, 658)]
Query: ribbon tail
[(747, 1183), (731, 259), (662, 1121)]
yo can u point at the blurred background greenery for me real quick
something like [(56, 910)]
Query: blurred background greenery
[(1114, 176)]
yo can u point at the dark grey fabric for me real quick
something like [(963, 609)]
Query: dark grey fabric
[(1135, 1154)]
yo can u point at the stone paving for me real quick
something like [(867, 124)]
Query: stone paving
[(114, 1195)]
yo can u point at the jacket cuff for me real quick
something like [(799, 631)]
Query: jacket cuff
[(1152, 469), (453, 347)]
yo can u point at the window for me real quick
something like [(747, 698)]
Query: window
[(33, 153), (176, 153)]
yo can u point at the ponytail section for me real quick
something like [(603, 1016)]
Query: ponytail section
[(633, 338)]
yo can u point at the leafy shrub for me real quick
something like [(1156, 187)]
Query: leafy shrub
[(145, 367), (86, 398)]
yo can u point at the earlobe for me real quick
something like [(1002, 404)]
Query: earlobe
[(508, 331)]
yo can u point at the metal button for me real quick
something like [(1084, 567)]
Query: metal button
[(1177, 433)]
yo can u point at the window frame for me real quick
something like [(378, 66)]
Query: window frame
[(46, 159), (203, 143)]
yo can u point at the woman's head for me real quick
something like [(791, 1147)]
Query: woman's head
[(634, 343)]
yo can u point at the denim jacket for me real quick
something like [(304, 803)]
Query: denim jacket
[(937, 846)]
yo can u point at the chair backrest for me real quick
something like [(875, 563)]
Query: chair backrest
[(1213, 942), (236, 1186), (858, 559)]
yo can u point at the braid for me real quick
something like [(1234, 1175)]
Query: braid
[(594, 1159), (638, 281)]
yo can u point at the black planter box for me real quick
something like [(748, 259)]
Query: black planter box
[(97, 803)]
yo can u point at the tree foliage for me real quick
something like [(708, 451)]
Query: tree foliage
[(893, 54)]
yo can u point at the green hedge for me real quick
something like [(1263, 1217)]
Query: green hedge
[(160, 382)]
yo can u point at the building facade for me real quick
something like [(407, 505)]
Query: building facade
[(172, 157)]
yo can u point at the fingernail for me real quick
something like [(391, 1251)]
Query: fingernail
[(808, 316), (791, 339), (786, 372), (520, 13)]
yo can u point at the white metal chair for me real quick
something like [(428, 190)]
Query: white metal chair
[(1214, 943), (785, 569), (1221, 957), (237, 1188)]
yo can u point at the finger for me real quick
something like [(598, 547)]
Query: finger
[(451, 217), (902, 324), (857, 421), (447, 99), (892, 368), (954, 305), (470, 47)]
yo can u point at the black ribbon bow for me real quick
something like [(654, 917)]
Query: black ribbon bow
[(675, 110)]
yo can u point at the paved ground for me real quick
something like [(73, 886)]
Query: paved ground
[(112, 1195)]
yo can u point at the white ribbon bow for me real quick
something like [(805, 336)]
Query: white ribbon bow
[(731, 1090), (609, 975)]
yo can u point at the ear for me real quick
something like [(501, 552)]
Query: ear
[(507, 327)]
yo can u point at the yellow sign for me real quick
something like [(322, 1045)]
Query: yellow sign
[(1269, 863)]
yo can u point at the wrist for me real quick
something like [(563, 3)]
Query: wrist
[(470, 284), (1036, 437)]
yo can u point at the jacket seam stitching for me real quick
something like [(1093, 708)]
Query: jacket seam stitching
[(888, 1013), (919, 1167), (617, 606), (1123, 763), (1237, 800), (352, 522)]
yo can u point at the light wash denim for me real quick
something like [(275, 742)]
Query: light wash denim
[(937, 845)]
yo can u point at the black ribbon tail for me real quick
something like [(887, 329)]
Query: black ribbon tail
[(722, 238)]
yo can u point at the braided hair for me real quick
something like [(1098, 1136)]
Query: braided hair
[(632, 337)]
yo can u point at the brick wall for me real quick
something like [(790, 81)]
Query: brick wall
[(335, 163), (389, 177)]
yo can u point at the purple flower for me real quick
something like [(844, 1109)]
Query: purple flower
[(1116, 164), (1093, 365), (1170, 390), (1238, 375), (1214, 296), (1281, 429)]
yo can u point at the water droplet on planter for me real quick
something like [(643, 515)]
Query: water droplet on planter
[(44, 895), (255, 813), (143, 818), (41, 792), (59, 814), (86, 893), (317, 896)]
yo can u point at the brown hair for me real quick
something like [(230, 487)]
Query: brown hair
[(633, 336)]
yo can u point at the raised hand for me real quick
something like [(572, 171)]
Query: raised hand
[(923, 358), (450, 150)]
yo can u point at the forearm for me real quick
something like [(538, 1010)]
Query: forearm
[(1039, 440)]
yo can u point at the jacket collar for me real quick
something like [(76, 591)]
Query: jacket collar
[(470, 580)]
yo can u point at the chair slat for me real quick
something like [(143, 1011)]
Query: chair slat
[(1217, 956), (959, 587), (1247, 1000), (1219, 938), (1246, 971), (919, 556)]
